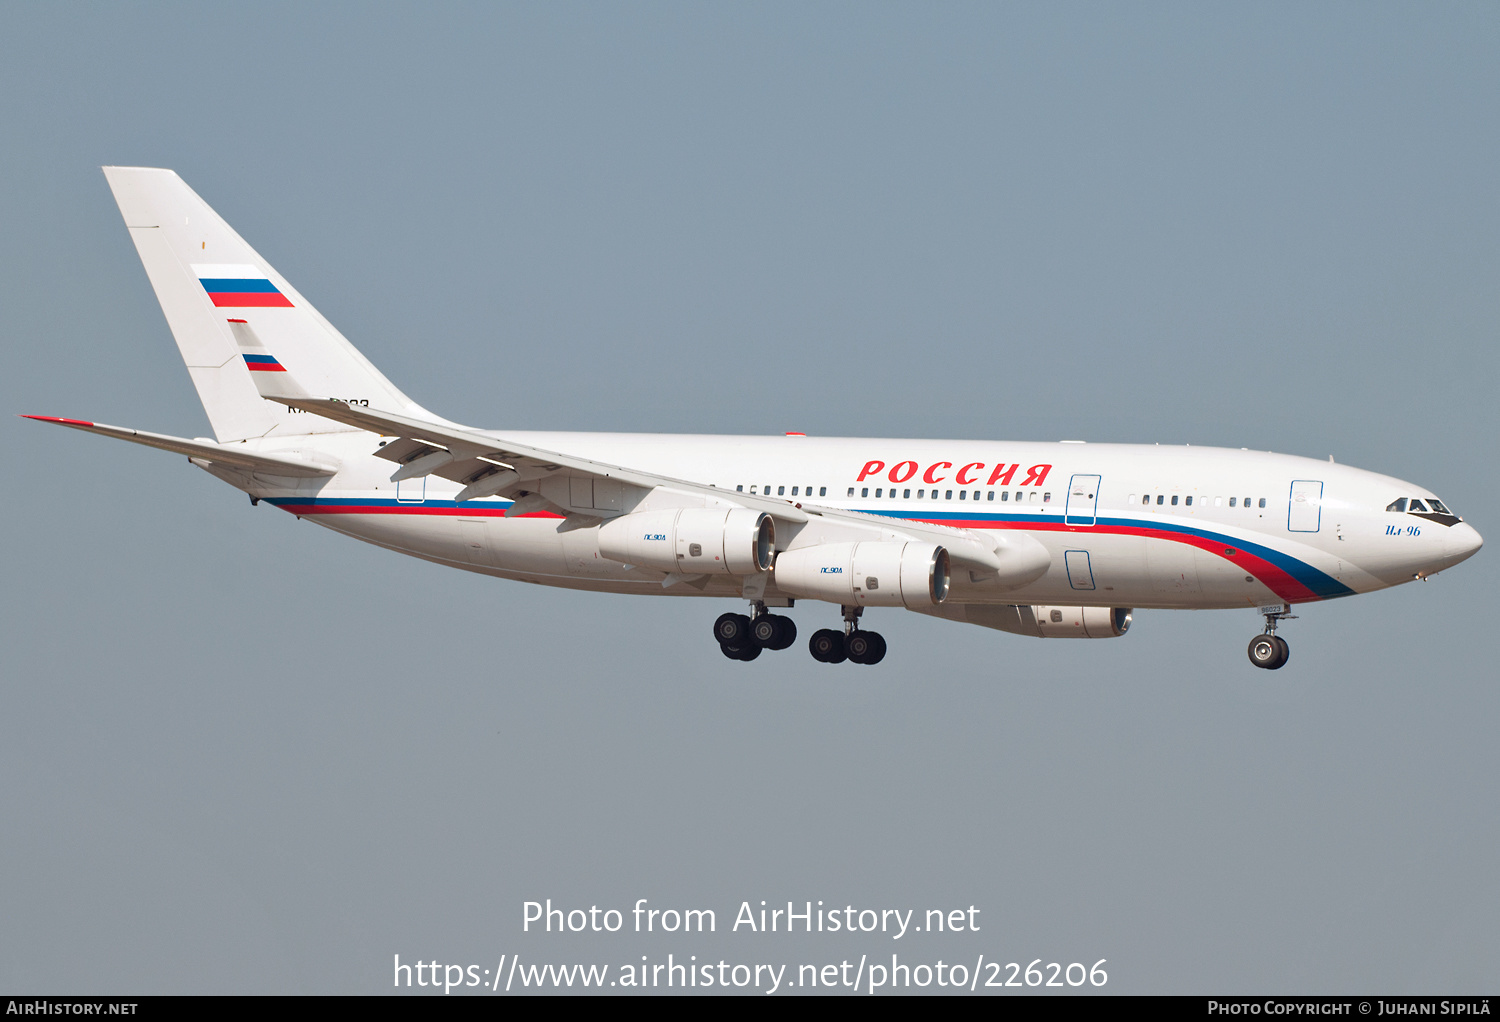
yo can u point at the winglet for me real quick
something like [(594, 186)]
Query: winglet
[(75, 423), (270, 376)]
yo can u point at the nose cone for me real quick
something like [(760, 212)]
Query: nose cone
[(1460, 543)]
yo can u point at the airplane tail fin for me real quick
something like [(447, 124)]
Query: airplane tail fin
[(211, 283)]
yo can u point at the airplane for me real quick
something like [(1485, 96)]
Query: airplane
[(1054, 540)]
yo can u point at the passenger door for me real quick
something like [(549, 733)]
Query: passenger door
[(1083, 501), (1305, 509)]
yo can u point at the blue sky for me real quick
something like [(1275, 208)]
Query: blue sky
[(239, 753)]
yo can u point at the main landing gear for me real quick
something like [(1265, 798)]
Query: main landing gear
[(1270, 650), (742, 637), (853, 643)]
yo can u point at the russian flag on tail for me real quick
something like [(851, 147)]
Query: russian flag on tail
[(239, 285), (263, 364)]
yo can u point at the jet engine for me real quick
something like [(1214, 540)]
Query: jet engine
[(1081, 622), (872, 574), (692, 540)]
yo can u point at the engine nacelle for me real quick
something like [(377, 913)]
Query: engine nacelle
[(692, 540), (1081, 622), (872, 574)]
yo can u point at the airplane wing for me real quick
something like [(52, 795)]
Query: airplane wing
[(461, 455), (458, 454), (296, 466), (489, 464)]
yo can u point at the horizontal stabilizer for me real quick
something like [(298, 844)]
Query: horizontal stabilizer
[(297, 466)]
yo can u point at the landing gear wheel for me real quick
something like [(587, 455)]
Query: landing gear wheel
[(866, 647), (732, 630), (763, 630), (827, 646), (1268, 651), (749, 651), (773, 631)]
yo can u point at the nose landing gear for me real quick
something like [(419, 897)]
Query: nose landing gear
[(1269, 650)]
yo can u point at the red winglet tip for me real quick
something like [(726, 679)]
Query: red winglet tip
[(53, 418)]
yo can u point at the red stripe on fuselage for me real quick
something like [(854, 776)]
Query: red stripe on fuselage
[(1274, 578)]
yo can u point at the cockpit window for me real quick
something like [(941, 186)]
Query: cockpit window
[(1438, 506), (1397, 505), (1416, 505)]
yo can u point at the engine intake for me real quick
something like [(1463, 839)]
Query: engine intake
[(873, 574), (692, 540)]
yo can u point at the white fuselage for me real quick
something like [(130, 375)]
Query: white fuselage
[(1124, 525)]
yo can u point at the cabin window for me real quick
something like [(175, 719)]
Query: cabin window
[(1416, 505), (1160, 499), (877, 491), (1218, 502), (1018, 496), (1033, 496), (1262, 502), (1231, 501), (740, 488), (949, 495), (822, 491), (1247, 501), (781, 491), (851, 491), (1174, 500), (963, 494), (864, 491), (991, 495), (794, 491), (906, 495), (1005, 495), (1046, 498), (1189, 502)]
